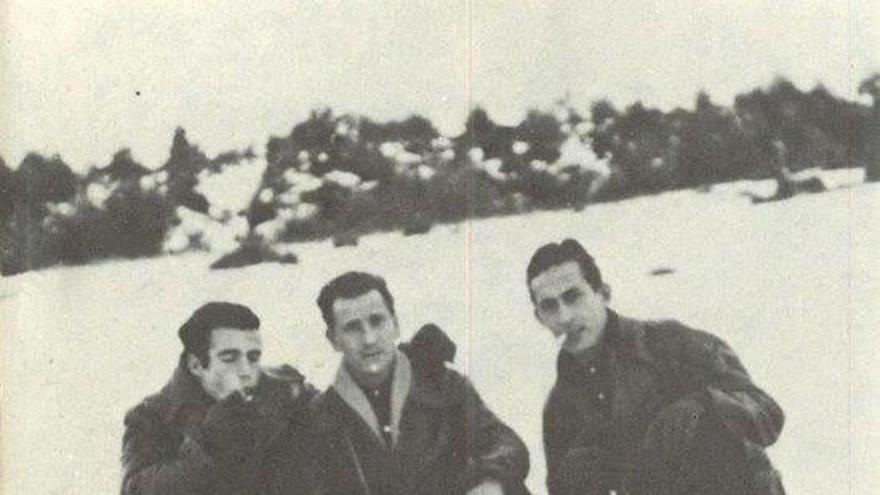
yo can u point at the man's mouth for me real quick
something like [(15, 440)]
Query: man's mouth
[(372, 354), (570, 336), (570, 331)]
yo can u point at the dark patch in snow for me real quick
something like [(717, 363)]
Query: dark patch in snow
[(658, 272), (253, 254)]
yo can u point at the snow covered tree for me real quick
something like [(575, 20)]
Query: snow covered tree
[(184, 163)]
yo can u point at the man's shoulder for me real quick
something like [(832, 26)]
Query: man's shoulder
[(670, 342), (324, 400), (326, 405), (156, 407), (329, 413), (445, 384), (659, 334)]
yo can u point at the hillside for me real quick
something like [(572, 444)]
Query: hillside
[(788, 284)]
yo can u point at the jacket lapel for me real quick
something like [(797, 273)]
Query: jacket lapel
[(427, 430), (183, 402), (400, 388)]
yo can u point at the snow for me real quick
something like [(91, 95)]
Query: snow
[(233, 189), (211, 234), (347, 180), (791, 285), (98, 193)]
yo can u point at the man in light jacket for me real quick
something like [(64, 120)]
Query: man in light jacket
[(396, 423)]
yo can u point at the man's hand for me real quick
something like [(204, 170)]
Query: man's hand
[(487, 487), (228, 434), (674, 429), (231, 384)]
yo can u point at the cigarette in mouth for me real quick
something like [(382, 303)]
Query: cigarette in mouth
[(246, 394)]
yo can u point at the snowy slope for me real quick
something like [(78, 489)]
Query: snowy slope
[(790, 285)]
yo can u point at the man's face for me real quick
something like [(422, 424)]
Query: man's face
[(567, 305), (364, 331), (233, 362)]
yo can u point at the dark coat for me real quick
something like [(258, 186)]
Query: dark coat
[(163, 451), (652, 366), (445, 439)]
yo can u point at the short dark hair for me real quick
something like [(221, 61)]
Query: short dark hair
[(196, 332), (348, 286), (552, 254)]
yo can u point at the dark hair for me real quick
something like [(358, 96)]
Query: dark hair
[(196, 332), (348, 286), (552, 254)]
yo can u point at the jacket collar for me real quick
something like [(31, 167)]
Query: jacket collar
[(354, 397), (631, 340), (183, 395)]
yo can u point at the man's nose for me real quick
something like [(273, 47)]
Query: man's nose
[(246, 369), (565, 314), (371, 335)]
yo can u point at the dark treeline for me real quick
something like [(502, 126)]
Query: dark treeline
[(344, 175)]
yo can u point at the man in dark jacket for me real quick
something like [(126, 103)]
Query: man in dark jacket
[(220, 426), (643, 407), (396, 423)]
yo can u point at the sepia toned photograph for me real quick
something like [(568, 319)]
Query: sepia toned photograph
[(509, 247)]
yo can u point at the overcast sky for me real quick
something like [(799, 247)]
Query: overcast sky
[(84, 78)]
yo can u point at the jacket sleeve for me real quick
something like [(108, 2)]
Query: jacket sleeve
[(726, 389), (152, 467), (494, 450)]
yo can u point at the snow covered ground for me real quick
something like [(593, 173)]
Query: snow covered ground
[(789, 285)]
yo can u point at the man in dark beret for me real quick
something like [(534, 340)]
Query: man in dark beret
[(221, 425), (643, 407)]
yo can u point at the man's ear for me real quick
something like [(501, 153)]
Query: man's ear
[(194, 365), (331, 337), (396, 327), (605, 292)]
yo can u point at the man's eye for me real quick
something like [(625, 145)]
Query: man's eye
[(353, 327), (376, 320), (571, 296), (254, 356), (227, 358), (549, 305)]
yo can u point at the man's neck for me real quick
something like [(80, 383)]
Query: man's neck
[(372, 380)]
